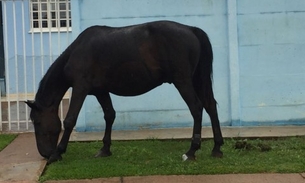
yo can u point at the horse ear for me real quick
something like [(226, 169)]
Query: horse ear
[(31, 104)]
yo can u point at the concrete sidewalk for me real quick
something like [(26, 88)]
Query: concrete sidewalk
[(21, 162)]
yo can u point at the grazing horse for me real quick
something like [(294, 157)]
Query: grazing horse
[(126, 61)]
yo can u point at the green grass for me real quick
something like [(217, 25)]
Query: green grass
[(156, 157), (6, 139)]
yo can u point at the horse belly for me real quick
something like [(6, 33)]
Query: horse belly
[(133, 79)]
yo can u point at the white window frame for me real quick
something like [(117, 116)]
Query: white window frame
[(50, 12)]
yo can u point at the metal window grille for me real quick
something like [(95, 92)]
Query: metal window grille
[(27, 56), (50, 15)]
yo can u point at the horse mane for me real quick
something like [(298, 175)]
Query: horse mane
[(52, 80)]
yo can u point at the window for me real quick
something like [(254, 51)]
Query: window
[(50, 15)]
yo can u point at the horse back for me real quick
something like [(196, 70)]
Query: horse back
[(135, 59)]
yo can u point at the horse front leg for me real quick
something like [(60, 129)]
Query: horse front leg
[(109, 116), (76, 102)]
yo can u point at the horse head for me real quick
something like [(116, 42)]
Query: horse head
[(47, 126)]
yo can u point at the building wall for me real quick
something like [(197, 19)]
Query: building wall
[(259, 70), (28, 54), (162, 107), (259, 67), (271, 58)]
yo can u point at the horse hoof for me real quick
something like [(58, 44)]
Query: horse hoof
[(184, 157), (103, 154), (53, 158), (190, 158), (217, 154)]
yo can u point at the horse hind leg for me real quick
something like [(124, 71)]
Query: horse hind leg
[(109, 116), (218, 139), (209, 103), (194, 104)]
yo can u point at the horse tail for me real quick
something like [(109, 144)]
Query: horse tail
[(203, 76)]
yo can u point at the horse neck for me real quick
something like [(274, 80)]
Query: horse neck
[(53, 86)]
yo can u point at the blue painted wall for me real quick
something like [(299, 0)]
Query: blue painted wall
[(272, 64), (162, 107), (32, 53), (259, 66)]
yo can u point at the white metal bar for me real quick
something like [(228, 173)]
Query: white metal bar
[(59, 50), (16, 46), (34, 62), (33, 51), (24, 65), (50, 34), (5, 36), (16, 64), (41, 41), (68, 4)]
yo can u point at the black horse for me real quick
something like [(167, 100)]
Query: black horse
[(126, 61)]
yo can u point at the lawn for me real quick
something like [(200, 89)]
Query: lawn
[(163, 157), (6, 139)]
